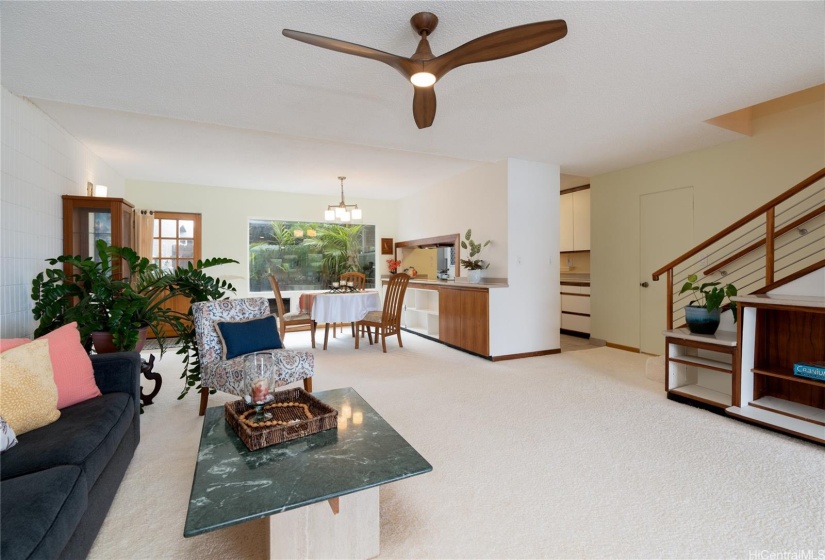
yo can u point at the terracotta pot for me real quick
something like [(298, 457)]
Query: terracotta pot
[(102, 341)]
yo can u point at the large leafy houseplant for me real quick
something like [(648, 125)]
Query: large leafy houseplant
[(120, 292)]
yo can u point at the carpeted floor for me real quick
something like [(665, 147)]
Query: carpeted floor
[(575, 455)]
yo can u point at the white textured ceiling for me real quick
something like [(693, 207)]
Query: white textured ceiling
[(632, 82)]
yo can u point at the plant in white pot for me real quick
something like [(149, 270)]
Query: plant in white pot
[(474, 266), (703, 313)]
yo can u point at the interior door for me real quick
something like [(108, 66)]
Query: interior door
[(665, 232), (176, 241)]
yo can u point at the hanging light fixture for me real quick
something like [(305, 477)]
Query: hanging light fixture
[(342, 211)]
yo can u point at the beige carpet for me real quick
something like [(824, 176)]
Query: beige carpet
[(572, 456)]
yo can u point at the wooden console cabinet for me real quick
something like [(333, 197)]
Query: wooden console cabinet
[(464, 318)]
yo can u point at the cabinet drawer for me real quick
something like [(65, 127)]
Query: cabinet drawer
[(576, 304), (577, 323), (568, 289)]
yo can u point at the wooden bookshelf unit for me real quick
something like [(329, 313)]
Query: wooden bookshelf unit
[(775, 332), (700, 368)]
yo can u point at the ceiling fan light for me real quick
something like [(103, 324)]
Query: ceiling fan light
[(356, 213), (422, 79), (329, 215)]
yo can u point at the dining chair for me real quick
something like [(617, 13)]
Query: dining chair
[(359, 282), (228, 375), (290, 319), (359, 279), (387, 321)]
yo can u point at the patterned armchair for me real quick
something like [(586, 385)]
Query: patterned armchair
[(228, 375)]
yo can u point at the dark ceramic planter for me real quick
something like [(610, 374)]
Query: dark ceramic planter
[(701, 321), (102, 341)]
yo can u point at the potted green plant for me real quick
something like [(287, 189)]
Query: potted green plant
[(121, 296), (703, 313), (474, 266)]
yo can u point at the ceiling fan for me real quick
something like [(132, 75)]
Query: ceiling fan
[(423, 68)]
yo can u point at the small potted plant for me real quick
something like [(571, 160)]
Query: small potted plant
[(703, 313), (474, 266), (393, 265)]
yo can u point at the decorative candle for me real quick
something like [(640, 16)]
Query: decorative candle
[(335, 284), (346, 411), (342, 423), (350, 284), (357, 417)]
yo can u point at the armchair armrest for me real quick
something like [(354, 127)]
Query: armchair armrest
[(118, 372)]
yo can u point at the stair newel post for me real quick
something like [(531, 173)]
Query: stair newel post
[(769, 250), (669, 298)]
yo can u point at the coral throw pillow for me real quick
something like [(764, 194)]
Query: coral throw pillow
[(72, 366), (9, 343), (28, 394)]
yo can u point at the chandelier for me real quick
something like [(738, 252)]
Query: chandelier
[(341, 211)]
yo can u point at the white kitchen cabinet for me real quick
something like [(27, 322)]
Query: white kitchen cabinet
[(574, 221), (581, 220)]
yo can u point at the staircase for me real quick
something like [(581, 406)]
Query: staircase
[(776, 244)]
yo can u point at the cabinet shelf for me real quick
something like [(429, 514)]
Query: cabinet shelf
[(705, 363), (792, 409), (788, 377), (703, 394)]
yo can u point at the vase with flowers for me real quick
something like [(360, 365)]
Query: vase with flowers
[(393, 265)]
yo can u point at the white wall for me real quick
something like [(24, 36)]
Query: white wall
[(532, 299), (729, 181), (515, 204), (40, 162), (225, 214), (475, 199)]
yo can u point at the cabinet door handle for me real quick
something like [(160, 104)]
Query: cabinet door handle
[(644, 284)]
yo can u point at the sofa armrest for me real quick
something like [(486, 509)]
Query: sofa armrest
[(118, 372)]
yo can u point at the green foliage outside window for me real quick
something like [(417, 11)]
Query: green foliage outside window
[(308, 255)]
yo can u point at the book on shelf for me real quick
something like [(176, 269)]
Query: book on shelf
[(811, 370)]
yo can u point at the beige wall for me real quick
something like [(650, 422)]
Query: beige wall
[(423, 260), (226, 212), (729, 181), (580, 260)]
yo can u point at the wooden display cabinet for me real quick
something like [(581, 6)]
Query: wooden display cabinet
[(775, 332), (87, 219)]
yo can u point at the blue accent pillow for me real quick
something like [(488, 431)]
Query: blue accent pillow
[(244, 337)]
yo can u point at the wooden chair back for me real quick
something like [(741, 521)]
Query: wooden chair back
[(279, 301), (394, 299), (359, 279)]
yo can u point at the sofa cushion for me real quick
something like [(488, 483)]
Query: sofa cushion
[(28, 394), (40, 512), (93, 430), (73, 373)]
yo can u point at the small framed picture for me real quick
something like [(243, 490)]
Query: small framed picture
[(386, 246)]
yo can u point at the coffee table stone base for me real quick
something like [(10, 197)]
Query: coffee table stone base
[(315, 531)]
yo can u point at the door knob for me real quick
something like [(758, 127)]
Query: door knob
[(644, 284)]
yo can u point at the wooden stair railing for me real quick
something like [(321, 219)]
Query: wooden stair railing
[(814, 206)]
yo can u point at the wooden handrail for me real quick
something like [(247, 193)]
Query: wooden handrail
[(739, 223), (753, 246)]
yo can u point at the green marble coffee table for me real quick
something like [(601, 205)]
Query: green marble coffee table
[(344, 465)]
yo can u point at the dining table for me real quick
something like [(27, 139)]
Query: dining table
[(339, 307)]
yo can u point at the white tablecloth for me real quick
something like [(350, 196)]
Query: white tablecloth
[(344, 308)]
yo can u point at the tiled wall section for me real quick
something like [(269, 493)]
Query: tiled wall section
[(40, 162)]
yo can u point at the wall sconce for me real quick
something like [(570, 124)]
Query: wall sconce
[(101, 191)]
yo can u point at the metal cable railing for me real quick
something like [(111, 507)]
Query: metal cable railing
[(779, 241)]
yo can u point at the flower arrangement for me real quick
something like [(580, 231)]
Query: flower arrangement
[(393, 265)]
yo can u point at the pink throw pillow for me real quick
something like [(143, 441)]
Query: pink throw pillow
[(73, 373), (9, 343)]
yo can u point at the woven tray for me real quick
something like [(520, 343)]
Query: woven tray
[(324, 417)]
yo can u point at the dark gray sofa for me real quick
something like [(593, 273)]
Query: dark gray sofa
[(57, 483)]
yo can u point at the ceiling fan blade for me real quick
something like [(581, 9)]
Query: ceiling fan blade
[(424, 106), (500, 44), (404, 65)]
